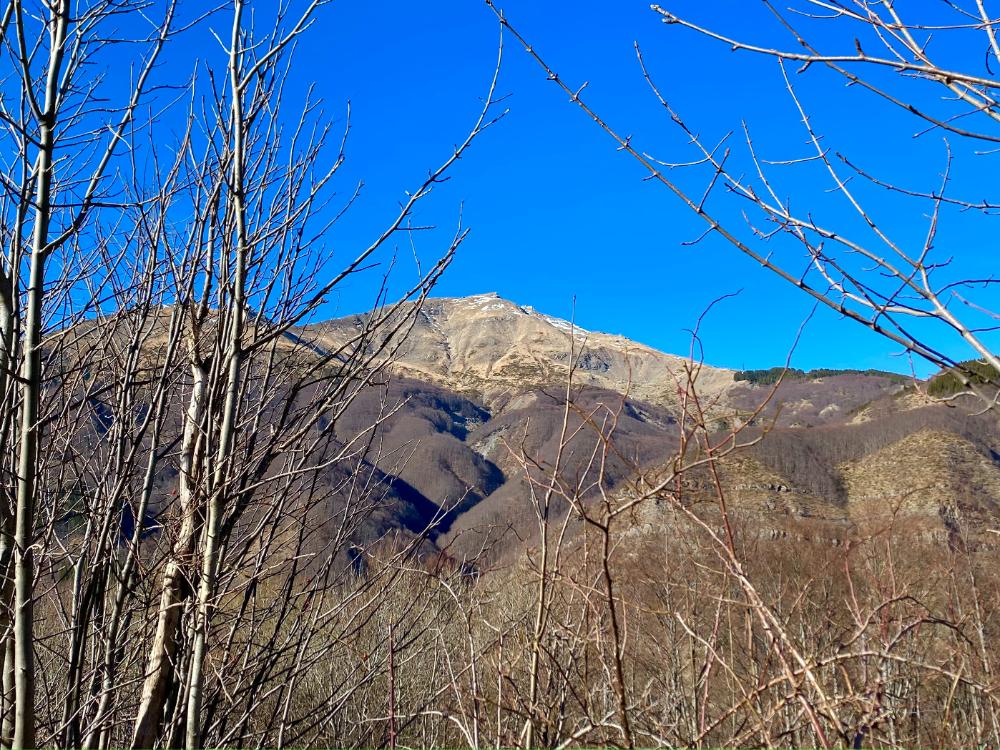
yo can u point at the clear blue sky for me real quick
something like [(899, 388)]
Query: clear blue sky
[(556, 212)]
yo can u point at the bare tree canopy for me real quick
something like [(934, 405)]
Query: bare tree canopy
[(844, 244)]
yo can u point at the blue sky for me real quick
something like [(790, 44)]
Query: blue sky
[(556, 213)]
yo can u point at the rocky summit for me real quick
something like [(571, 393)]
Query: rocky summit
[(496, 349)]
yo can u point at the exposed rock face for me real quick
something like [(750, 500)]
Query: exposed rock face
[(935, 479), (496, 349)]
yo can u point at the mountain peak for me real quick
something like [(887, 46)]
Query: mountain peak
[(493, 347), (491, 303)]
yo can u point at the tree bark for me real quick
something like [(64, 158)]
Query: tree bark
[(31, 376), (233, 367), (176, 585)]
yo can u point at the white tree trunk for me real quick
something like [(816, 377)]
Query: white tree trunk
[(176, 586)]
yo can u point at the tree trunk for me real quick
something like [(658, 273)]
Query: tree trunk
[(176, 586), (31, 375), (227, 429)]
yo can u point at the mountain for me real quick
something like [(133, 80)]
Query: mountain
[(934, 480), (471, 425), (480, 387), (495, 350)]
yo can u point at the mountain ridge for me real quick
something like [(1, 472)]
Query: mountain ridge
[(493, 347), (493, 300)]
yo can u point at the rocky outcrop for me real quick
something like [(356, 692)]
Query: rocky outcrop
[(496, 349)]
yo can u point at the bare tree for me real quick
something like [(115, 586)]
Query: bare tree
[(913, 294), (148, 308), (61, 145), (257, 259), (181, 471)]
